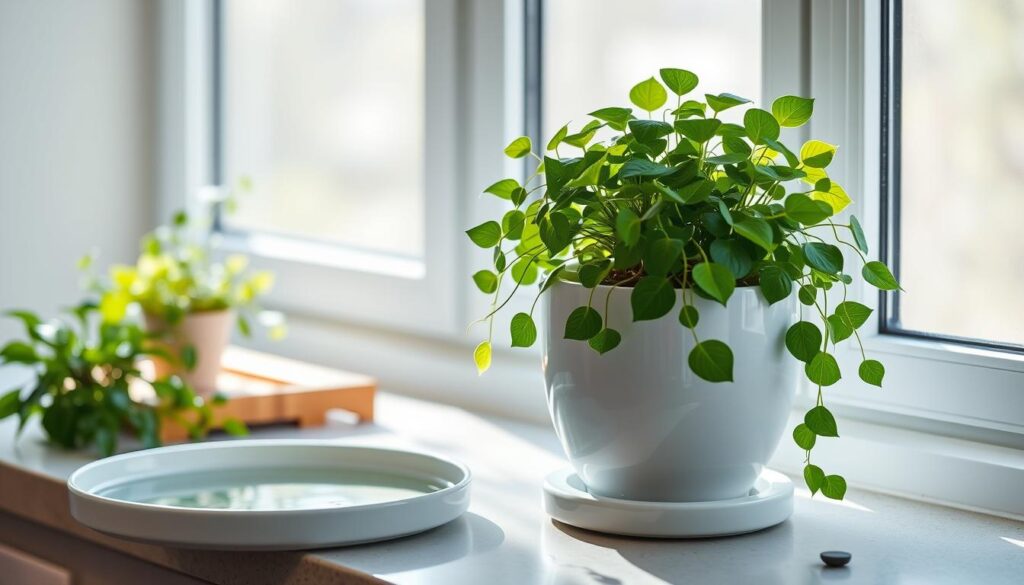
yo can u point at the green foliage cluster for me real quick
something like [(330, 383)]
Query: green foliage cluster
[(82, 380), (175, 275), (669, 197)]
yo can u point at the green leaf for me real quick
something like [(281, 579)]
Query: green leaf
[(594, 273), (652, 297), (617, 118), (641, 167), (792, 111), (189, 357), (837, 329), (588, 177), (760, 125), (712, 361), (825, 257), (714, 279), (814, 477), (552, 278), (756, 230), (878, 274), (503, 188), (524, 271), (648, 95), (804, 437), (512, 224), (871, 371), (775, 283), (699, 130), (821, 421), (555, 232), (732, 254), (661, 256), (852, 313), (680, 81), (807, 294), (605, 341), (646, 131), (724, 101), (524, 330), (486, 281), (834, 487), (519, 147), (727, 159), (485, 235), (823, 370), (558, 137), (689, 316), (817, 154), (858, 234), (482, 357), (805, 210), (627, 226), (585, 135), (235, 427), (582, 324), (803, 340), (10, 403), (696, 191), (18, 352)]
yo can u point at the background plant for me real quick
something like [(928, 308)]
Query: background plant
[(82, 381), (176, 274), (677, 198)]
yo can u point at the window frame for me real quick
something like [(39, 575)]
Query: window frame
[(323, 279), (927, 378), (891, 182)]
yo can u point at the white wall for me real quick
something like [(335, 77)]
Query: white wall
[(76, 142)]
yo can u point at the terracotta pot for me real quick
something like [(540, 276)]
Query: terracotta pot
[(637, 424), (208, 332)]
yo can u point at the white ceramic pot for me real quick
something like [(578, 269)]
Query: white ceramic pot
[(638, 424), (208, 332)]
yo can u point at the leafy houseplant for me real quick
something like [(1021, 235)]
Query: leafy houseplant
[(188, 297), (82, 381), (675, 203)]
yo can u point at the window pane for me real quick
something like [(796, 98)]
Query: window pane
[(596, 50), (962, 167), (323, 108)]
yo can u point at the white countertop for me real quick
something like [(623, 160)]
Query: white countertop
[(506, 538)]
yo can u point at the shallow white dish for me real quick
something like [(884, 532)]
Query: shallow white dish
[(267, 494), (770, 502)]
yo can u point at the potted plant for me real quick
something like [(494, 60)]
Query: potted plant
[(189, 299), (683, 255), (86, 383)]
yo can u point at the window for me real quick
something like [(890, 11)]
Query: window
[(322, 105), (956, 170)]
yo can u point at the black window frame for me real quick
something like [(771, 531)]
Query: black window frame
[(890, 181)]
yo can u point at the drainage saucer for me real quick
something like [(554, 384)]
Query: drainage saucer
[(770, 502)]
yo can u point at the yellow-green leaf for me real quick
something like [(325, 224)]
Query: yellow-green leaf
[(519, 147), (836, 197), (817, 154), (482, 357), (648, 95)]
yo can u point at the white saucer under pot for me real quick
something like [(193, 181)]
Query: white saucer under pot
[(769, 502)]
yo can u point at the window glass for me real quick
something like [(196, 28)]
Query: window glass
[(596, 50), (323, 107), (961, 187)]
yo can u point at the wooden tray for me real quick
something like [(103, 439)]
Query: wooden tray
[(267, 389)]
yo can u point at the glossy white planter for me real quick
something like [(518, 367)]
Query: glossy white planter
[(208, 332), (637, 424)]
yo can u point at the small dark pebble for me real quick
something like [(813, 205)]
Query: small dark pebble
[(836, 558)]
